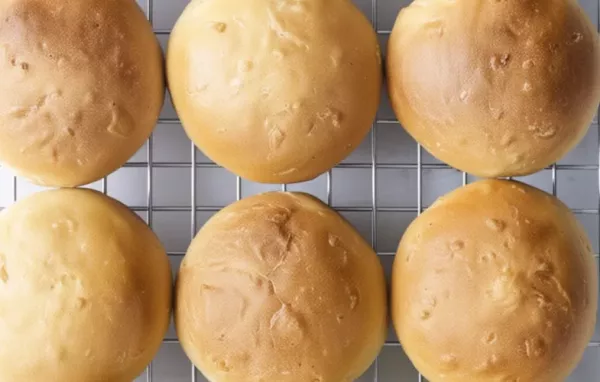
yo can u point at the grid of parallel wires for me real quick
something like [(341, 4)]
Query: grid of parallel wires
[(150, 165), (373, 166)]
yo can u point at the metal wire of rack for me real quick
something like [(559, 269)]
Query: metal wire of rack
[(374, 207)]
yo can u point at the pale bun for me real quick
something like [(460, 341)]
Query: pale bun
[(495, 282), (82, 87), (279, 287), (495, 88), (276, 92), (85, 290)]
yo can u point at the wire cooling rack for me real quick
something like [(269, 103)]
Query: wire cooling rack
[(380, 189)]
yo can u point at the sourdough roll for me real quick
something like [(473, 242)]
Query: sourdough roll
[(82, 87), (275, 91), (495, 88), (279, 287), (495, 282), (85, 290)]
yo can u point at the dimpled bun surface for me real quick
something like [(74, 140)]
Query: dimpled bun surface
[(279, 287), (276, 91), (495, 282), (85, 290), (495, 88), (82, 85)]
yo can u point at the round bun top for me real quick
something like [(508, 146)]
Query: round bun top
[(279, 287), (275, 91), (495, 282), (85, 289), (495, 88), (82, 87)]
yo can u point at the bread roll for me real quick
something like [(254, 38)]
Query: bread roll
[(279, 287), (495, 282), (82, 87), (85, 290), (495, 88), (275, 91)]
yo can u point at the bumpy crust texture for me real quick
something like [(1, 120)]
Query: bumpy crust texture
[(82, 87), (495, 88), (85, 290), (279, 287), (495, 282), (275, 91)]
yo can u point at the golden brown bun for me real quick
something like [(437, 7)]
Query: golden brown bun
[(275, 91), (85, 290), (82, 87), (495, 282), (495, 88), (279, 287)]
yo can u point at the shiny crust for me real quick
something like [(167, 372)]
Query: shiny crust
[(85, 290), (82, 87), (279, 287), (495, 88), (495, 282), (277, 91)]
